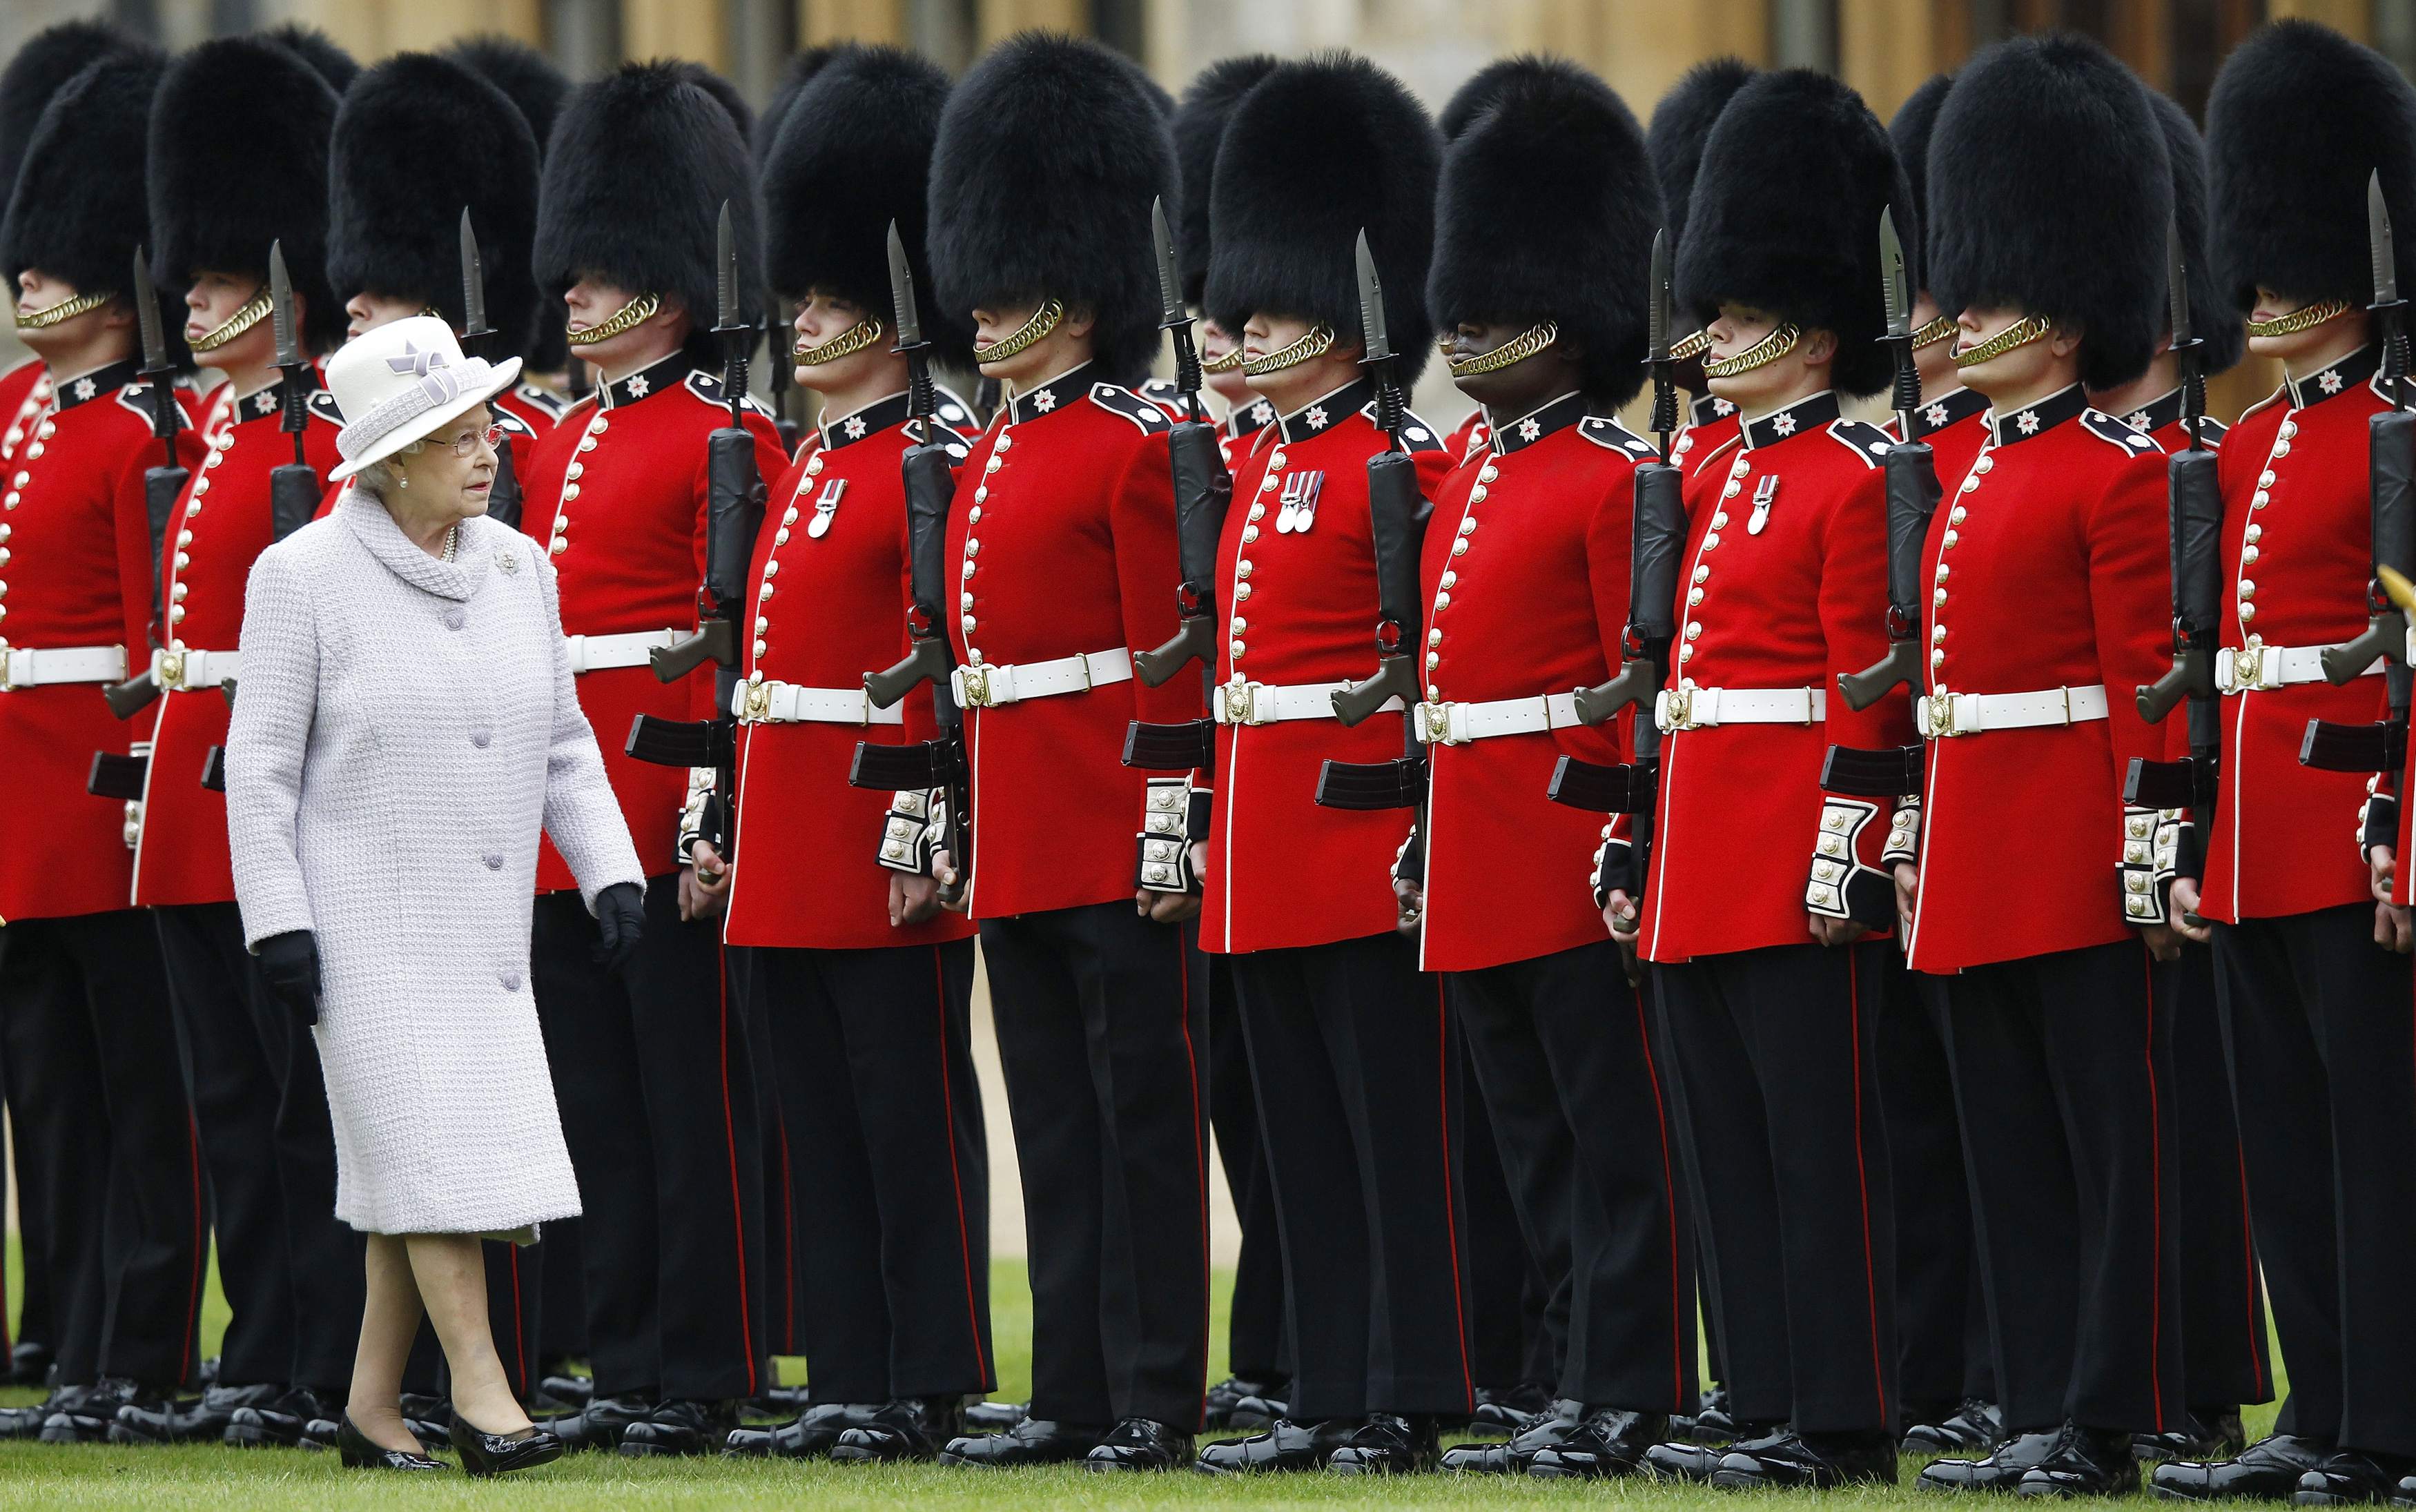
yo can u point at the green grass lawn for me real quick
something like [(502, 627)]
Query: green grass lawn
[(237, 1480)]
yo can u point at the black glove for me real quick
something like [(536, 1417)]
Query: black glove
[(291, 963), (621, 915)]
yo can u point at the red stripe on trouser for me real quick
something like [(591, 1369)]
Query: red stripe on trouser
[(2156, 1206), (1199, 1149), (1862, 1175), (948, 1111), (729, 1142), (1669, 1207), (1450, 1209)]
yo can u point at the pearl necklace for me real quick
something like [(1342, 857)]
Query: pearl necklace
[(452, 542)]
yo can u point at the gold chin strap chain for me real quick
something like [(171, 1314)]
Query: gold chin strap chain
[(1691, 346), (255, 310), (1312, 343), (2305, 318), (1940, 329), (1762, 353), (1044, 321), (66, 309), (1225, 364), (2022, 332), (1517, 350), (627, 318), (846, 344)]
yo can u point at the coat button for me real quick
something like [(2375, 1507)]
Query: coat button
[(455, 619), (494, 863), (511, 980), (481, 737)]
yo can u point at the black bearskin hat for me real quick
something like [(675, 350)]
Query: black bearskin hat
[(2048, 182), (642, 162), (793, 79), (854, 154), (1323, 148), (1682, 123), (1199, 126), (1910, 131), (1548, 211), (1049, 153), (50, 58), (2300, 117), (76, 213), (320, 51), (1473, 99), (237, 160), (399, 181), (2213, 318), (1786, 217), (522, 72)]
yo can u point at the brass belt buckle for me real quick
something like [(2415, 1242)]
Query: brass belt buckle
[(2247, 669), (976, 685), (171, 669), (1678, 712), (1438, 722), (759, 703), (1941, 708)]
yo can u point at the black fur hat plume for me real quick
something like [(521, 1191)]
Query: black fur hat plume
[(1048, 155), (2051, 193), (1323, 148), (800, 72), (401, 181), (1199, 128), (317, 48), (1785, 216), (854, 154), (642, 162), (76, 213), (1470, 99), (2300, 117), (50, 58), (1548, 211), (2213, 319), (237, 159), (1682, 123)]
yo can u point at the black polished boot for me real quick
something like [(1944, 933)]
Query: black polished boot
[(88, 1419), (499, 1454), (910, 1427), (1139, 1444), (29, 1363), (681, 1428), (995, 1417), (1683, 1460), (1284, 1446), (1970, 1428), (188, 1422), (1231, 1392), (1388, 1443), (578, 1390), (2001, 1470), (2086, 1461), (1550, 1430), (600, 1424), (2350, 1477), (2205, 1434), (1510, 1411), (26, 1422), (2266, 1471), (1035, 1441), (281, 1424), (807, 1436), (1612, 1442), (1811, 1462), (357, 1452), (1712, 1422)]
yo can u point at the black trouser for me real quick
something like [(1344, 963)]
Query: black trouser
[(103, 1127), (889, 1176), (561, 1324), (1518, 1315), (782, 1329), (271, 1153), (654, 1075), (2064, 1080), (2318, 1020), (1101, 1034), (1356, 1059), (2222, 1301), (1571, 1074), (1256, 1349), (1942, 1317), (1777, 1049)]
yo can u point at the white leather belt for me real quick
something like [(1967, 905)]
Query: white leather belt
[(2262, 669), (35, 666), (191, 671), (1692, 708), (1941, 715), (1456, 724), (632, 647), (787, 703), (989, 687), (1274, 703)]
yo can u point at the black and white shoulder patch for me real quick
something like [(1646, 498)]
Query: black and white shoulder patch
[(1860, 437), (1612, 436), (137, 398), (954, 411), (2115, 433), (1416, 434), (554, 404), (323, 404), (1123, 401), (2211, 430), (510, 424), (707, 387)]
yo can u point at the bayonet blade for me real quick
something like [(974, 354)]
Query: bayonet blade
[(147, 316), (1170, 283), (1657, 316), (2379, 242), (474, 281), (901, 291), (1371, 305), (726, 262), (2176, 283), (281, 294), (1896, 287)]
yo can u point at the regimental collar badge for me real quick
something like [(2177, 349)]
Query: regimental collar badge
[(1801, 418), (2038, 419), (2359, 367)]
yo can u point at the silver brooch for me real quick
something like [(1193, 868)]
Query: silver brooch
[(508, 562)]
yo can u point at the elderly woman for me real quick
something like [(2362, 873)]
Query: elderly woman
[(407, 726)]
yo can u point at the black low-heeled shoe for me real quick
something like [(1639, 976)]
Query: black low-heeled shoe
[(355, 1449), (499, 1454)]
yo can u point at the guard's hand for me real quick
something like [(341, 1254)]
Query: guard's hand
[(289, 961), (944, 873), (704, 887), (1174, 908), (620, 918), (912, 900), (133, 831), (2164, 941), (2392, 930), (1830, 931), (1409, 902), (2180, 911), (2381, 863), (1908, 893), (1625, 922)]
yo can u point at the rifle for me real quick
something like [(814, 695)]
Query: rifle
[(162, 486), (783, 381), (2391, 493), (931, 488), (2195, 500), (1398, 519), (477, 338), (1202, 488), (734, 515)]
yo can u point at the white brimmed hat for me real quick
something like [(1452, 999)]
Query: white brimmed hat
[(400, 382)]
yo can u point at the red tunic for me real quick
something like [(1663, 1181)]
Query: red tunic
[(75, 571), (1302, 608), (1512, 617), (837, 531), (1780, 597), (1955, 426), (1062, 538), (221, 524), (1710, 424), (1467, 437), (618, 491), (2050, 562)]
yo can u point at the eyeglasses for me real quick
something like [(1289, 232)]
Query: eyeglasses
[(462, 444)]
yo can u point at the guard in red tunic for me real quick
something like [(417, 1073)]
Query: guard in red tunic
[(237, 161), (1768, 981), (1546, 223), (1061, 544), (1354, 1050), (97, 1098), (654, 1064), (2050, 194), (2313, 996)]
